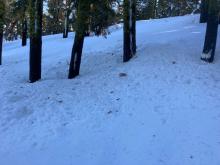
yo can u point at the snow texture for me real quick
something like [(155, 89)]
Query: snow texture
[(161, 108)]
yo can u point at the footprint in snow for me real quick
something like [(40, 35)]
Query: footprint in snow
[(123, 75)]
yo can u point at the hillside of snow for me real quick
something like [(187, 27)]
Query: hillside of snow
[(161, 108)]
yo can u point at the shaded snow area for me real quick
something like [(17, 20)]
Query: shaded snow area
[(161, 108)]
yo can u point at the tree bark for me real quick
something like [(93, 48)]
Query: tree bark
[(1, 44), (204, 11), (76, 56), (24, 33), (35, 40), (211, 32), (129, 29), (81, 27)]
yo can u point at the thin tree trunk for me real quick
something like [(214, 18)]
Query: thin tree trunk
[(81, 27), (35, 40), (204, 11), (24, 33), (1, 44), (211, 32), (66, 25)]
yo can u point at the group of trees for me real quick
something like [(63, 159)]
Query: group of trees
[(86, 16), (147, 9), (60, 15)]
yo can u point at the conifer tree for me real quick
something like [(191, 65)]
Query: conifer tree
[(35, 12), (211, 32)]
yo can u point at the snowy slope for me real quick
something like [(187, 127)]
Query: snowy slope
[(166, 111)]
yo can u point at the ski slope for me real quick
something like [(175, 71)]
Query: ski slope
[(161, 108)]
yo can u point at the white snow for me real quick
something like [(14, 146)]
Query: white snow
[(206, 55), (166, 111)]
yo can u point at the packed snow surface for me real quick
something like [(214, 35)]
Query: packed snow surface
[(161, 108)]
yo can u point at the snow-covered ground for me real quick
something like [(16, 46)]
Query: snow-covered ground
[(166, 111)]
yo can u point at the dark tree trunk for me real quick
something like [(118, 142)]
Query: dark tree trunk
[(129, 29), (127, 39), (1, 44), (211, 33), (66, 25), (2, 13), (81, 28), (204, 11), (76, 56), (35, 40), (133, 31), (24, 33), (127, 48)]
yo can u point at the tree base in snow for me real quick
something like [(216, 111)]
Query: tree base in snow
[(207, 57)]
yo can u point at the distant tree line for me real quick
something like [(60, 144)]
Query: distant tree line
[(60, 15)]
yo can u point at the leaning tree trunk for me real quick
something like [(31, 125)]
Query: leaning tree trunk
[(81, 27), (66, 24), (129, 29), (36, 12), (1, 43), (24, 32), (211, 32), (204, 11)]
